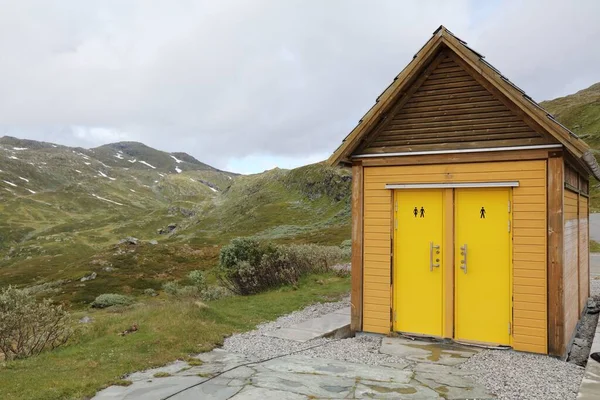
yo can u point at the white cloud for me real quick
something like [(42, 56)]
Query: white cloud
[(230, 79)]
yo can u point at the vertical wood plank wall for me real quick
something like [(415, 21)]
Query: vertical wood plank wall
[(584, 255), (571, 262), (529, 240)]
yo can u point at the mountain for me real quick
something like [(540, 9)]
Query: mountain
[(579, 112), (63, 211)]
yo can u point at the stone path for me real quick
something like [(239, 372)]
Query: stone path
[(590, 385), (336, 324), (427, 371)]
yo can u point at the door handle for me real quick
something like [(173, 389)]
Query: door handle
[(463, 262), (437, 251)]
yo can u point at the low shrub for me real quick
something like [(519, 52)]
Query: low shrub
[(28, 327), (171, 288), (197, 279), (215, 293), (111, 299), (150, 292), (248, 266)]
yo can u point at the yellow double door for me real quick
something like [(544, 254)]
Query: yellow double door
[(477, 233)]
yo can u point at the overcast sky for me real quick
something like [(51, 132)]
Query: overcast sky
[(249, 85)]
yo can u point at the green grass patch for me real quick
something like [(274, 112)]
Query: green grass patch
[(168, 330), (594, 246)]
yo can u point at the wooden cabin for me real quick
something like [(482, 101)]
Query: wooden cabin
[(469, 208)]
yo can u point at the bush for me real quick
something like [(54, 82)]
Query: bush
[(171, 288), (27, 327), (198, 280), (215, 293), (248, 266), (150, 292), (111, 299)]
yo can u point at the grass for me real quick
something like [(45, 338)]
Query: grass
[(168, 330), (594, 246)]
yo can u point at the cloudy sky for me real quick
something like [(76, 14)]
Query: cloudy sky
[(249, 85)]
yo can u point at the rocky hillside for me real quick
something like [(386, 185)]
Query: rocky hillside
[(580, 112), (63, 211)]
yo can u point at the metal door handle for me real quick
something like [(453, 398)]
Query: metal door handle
[(431, 248), (463, 262)]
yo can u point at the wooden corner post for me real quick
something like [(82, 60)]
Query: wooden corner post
[(556, 302), (356, 294)]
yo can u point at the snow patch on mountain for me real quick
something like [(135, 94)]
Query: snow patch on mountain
[(145, 163), (177, 160), (32, 192), (24, 179), (108, 200), (178, 170), (9, 183)]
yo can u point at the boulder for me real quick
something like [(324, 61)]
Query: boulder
[(129, 240), (89, 277), (85, 320)]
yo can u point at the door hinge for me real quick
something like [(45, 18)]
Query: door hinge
[(509, 329), (395, 223), (396, 206), (509, 206), (509, 225)]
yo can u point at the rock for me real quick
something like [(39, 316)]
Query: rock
[(89, 277), (108, 269), (129, 240), (591, 303), (85, 320), (171, 227), (153, 242), (580, 342)]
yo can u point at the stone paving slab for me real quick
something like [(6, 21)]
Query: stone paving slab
[(590, 384), (325, 325)]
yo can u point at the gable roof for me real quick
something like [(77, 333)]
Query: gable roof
[(527, 108)]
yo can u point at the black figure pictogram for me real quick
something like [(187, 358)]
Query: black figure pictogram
[(422, 214), (416, 212), (482, 213)]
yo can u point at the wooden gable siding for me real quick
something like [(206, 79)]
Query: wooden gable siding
[(450, 110), (571, 262), (584, 255), (529, 240)]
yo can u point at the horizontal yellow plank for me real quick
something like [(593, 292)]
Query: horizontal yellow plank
[(530, 265), (530, 241), (537, 340), (377, 301), (519, 166), (368, 200), (376, 327), (519, 207), (369, 284), (368, 228), (529, 232), (529, 298), (539, 315), (526, 223), (376, 265), (377, 236), (538, 324), (531, 348), (529, 257), (529, 332), (529, 306), (379, 279), (538, 290), (377, 257), (379, 315), (529, 215), (378, 207), (529, 273), (538, 282), (524, 248), (376, 294), (529, 191)]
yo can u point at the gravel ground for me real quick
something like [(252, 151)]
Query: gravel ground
[(510, 375)]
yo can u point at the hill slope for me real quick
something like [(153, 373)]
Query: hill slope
[(579, 112), (63, 210)]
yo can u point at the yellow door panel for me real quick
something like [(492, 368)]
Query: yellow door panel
[(418, 268), (482, 265)]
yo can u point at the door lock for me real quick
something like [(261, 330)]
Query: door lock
[(463, 261), (433, 247)]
